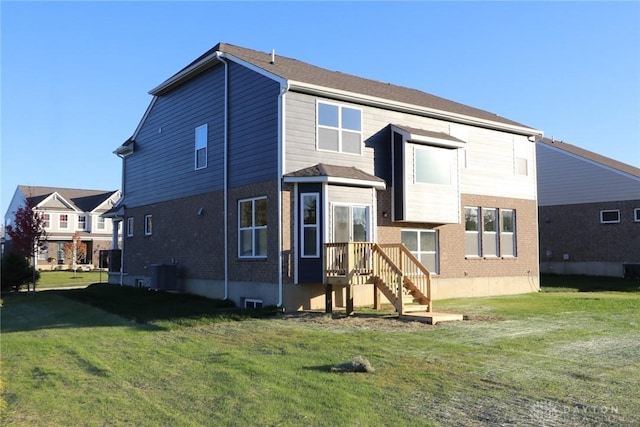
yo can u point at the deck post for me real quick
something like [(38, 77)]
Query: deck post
[(376, 298), (349, 299), (328, 295)]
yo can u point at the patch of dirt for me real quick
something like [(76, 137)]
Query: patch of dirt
[(359, 321)]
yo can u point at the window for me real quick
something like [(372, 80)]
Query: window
[(636, 214), (43, 254), (507, 232), (147, 225), (489, 232), (423, 244), (63, 221), (350, 223), (471, 232), (101, 223), (46, 220), (82, 222), (130, 226), (201, 147), (252, 303), (432, 165), (339, 128), (610, 216), (252, 228), (310, 225)]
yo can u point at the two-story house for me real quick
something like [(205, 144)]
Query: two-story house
[(250, 173), (66, 211), (589, 211)]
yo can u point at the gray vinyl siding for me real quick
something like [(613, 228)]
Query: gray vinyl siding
[(162, 166), (490, 154), (566, 179)]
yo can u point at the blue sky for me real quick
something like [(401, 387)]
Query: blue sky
[(75, 75)]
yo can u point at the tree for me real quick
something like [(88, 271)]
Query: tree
[(16, 272), (27, 234), (75, 250)]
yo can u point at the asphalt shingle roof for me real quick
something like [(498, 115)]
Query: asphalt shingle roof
[(83, 200), (322, 169), (295, 70)]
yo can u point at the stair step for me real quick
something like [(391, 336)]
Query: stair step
[(415, 307)]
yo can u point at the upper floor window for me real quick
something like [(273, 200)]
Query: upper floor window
[(201, 147), (101, 223), (63, 221), (252, 228), (432, 165), (130, 226), (148, 220), (339, 128), (610, 216), (46, 220), (82, 222)]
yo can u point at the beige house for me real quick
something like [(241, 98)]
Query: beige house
[(66, 211)]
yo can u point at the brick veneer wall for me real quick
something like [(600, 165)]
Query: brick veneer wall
[(576, 230), (453, 263)]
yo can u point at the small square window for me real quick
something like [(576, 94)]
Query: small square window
[(636, 214), (148, 220), (252, 303), (610, 216)]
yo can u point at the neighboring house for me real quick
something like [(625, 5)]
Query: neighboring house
[(249, 172), (66, 211), (589, 212)]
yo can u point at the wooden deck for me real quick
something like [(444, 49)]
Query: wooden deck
[(431, 318)]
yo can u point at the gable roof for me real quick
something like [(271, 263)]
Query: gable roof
[(590, 155), (80, 199), (303, 76)]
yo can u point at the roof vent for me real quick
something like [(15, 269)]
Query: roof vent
[(273, 56)]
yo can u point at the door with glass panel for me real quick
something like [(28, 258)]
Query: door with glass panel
[(350, 223)]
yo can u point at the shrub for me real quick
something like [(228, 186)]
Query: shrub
[(16, 272)]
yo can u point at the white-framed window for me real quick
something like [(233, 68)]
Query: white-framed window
[(130, 226), (339, 128), (252, 303), (423, 244), (46, 220), (507, 232), (490, 232), (101, 223), (201, 147), (471, 232), (148, 221), (636, 214), (611, 216), (309, 212), (432, 165), (252, 228), (82, 222), (63, 221), (43, 254)]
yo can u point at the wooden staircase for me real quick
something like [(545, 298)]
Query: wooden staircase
[(393, 270)]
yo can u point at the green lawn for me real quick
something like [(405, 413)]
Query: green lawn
[(87, 357), (59, 279)]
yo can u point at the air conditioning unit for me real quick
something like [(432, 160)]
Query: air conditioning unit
[(164, 277)]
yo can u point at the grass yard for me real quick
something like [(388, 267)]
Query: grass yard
[(61, 279), (87, 357)]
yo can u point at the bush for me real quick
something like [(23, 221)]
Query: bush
[(16, 272)]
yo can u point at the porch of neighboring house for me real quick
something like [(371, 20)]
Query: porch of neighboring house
[(392, 270)]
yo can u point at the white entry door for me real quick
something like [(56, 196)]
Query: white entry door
[(350, 223)]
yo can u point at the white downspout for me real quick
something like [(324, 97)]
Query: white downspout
[(225, 159), (284, 88)]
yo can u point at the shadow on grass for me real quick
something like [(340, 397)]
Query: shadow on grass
[(577, 283), (137, 306)]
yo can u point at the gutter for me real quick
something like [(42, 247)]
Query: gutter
[(284, 88), (225, 173)]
